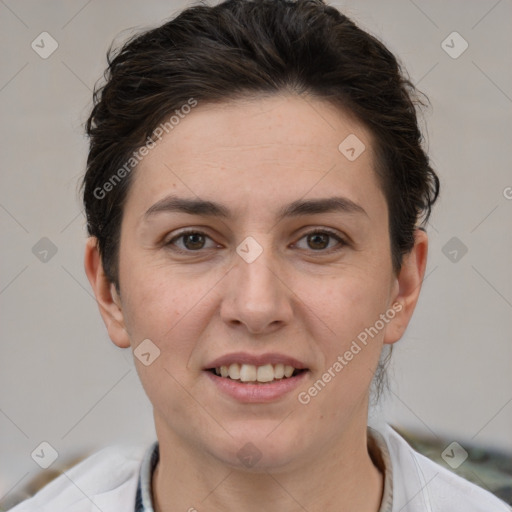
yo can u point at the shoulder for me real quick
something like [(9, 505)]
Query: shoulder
[(421, 485), (107, 480)]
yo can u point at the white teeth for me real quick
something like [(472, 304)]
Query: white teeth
[(279, 371), (252, 373), (265, 373), (288, 370), (248, 373), (234, 371)]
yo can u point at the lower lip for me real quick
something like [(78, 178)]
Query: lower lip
[(256, 393)]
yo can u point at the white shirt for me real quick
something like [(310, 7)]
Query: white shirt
[(107, 482)]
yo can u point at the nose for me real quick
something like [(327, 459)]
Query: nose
[(257, 296)]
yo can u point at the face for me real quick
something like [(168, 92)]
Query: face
[(252, 246)]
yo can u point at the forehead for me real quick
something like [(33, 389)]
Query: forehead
[(274, 148)]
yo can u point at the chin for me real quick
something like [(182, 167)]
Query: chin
[(260, 447)]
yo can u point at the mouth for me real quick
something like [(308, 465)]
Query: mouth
[(252, 374), (251, 378)]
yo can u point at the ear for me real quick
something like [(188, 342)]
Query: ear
[(408, 286), (109, 302)]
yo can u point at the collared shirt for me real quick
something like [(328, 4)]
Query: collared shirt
[(144, 496), (377, 449), (113, 479)]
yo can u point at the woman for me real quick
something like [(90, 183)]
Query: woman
[(255, 194)]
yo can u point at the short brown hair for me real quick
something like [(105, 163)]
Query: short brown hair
[(244, 48)]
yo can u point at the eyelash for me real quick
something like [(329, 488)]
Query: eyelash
[(332, 234)]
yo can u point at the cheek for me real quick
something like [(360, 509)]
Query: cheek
[(159, 310), (155, 304), (349, 302), (349, 306), (174, 308), (350, 348)]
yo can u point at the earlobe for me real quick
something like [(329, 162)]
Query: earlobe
[(409, 281), (109, 302)]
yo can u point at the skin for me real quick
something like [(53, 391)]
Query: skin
[(255, 156)]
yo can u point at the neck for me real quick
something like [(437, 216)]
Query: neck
[(341, 477)]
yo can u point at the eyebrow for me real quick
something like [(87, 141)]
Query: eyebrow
[(297, 208)]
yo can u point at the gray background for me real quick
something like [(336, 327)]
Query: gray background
[(64, 382)]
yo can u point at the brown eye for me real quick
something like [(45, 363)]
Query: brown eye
[(193, 241), (321, 241), (318, 241)]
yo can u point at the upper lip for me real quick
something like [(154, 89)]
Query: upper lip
[(255, 359)]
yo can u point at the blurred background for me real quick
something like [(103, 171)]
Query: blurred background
[(62, 382)]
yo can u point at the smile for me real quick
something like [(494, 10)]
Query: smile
[(251, 373), (256, 378)]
